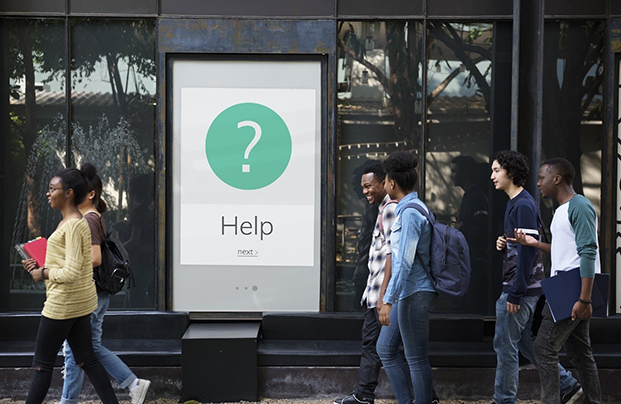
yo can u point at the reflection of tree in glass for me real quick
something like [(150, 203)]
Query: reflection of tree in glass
[(113, 41), (573, 73), (39, 47), (102, 145), (35, 46), (115, 151), (404, 52)]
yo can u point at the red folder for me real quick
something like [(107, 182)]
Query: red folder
[(36, 249)]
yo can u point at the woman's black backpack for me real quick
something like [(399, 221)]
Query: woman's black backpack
[(114, 271)]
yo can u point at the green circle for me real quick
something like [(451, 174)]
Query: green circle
[(229, 141)]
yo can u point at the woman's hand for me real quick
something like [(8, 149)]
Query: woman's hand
[(30, 265), (37, 274), (384, 314)]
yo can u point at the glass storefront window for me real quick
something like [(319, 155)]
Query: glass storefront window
[(573, 80), (458, 141), (113, 110), (379, 111), (112, 125), (35, 104)]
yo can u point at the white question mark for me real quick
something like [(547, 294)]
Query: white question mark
[(255, 140)]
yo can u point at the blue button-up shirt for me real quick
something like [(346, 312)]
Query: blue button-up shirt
[(411, 235)]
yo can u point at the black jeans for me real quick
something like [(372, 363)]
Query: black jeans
[(50, 336), (370, 363), (574, 335)]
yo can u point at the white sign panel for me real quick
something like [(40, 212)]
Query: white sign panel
[(246, 147), (253, 149)]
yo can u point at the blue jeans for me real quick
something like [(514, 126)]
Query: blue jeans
[(514, 334), (74, 376), (509, 339), (412, 328)]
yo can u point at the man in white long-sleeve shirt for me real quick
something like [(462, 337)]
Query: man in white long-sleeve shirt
[(574, 244)]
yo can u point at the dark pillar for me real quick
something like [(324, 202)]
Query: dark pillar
[(5, 141), (527, 86)]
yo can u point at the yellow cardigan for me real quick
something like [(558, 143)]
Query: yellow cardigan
[(70, 290)]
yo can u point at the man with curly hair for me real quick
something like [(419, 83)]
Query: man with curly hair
[(522, 272)]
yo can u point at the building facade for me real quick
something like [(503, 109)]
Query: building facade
[(87, 81)]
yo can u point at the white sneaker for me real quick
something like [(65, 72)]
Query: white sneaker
[(140, 392)]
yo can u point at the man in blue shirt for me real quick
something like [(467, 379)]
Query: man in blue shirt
[(522, 272)]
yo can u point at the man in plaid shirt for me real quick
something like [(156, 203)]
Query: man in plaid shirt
[(379, 273)]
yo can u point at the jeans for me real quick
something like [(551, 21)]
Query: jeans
[(574, 336), (370, 364), (411, 328), (74, 376), (526, 349), (50, 336), (511, 335)]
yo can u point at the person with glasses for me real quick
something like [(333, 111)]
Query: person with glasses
[(70, 291)]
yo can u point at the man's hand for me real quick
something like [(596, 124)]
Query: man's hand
[(524, 239), (384, 314), (512, 308), (581, 311), (501, 243)]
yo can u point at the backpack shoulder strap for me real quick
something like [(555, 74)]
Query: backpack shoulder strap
[(431, 221), (428, 215)]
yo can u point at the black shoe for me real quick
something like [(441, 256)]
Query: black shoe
[(572, 396), (354, 398)]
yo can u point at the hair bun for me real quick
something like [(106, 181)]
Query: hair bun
[(89, 170)]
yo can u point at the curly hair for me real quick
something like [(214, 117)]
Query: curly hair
[(401, 166), (516, 165), (378, 171)]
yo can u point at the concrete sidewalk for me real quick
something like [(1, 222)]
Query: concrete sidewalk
[(275, 401)]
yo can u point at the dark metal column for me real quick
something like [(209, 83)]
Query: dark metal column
[(5, 169), (527, 85)]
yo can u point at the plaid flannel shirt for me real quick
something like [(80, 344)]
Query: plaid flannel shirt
[(380, 248)]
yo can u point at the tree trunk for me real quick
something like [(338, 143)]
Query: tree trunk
[(29, 134)]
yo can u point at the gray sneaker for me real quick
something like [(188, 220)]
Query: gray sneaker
[(140, 392), (573, 395)]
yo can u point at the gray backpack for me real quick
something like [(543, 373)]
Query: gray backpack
[(450, 257)]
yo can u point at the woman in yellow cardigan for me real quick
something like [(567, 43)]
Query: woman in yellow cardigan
[(70, 291)]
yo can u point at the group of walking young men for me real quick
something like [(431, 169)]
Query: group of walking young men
[(574, 245)]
